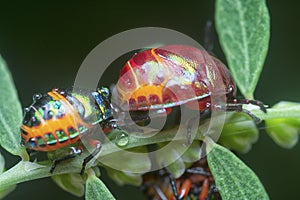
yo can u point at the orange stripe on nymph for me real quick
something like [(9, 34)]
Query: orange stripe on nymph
[(159, 59), (148, 90)]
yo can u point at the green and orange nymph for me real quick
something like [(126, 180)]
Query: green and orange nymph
[(61, 117)]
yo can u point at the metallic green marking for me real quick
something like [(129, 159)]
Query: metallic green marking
[(37, 115), (54, 106), (61, 135), (40, 141), (57, 104), (41, 111), (50, 139), (86, 102), (28, 123), (36, 119), (72, 132), (82, 128)]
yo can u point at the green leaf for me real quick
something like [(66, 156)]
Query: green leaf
[(72, 183), (135, 160), (6, 190), (233, 178), (292, 111), (21, 172), (243, 27), (239, 132), (171, 159), (177, 168), (193, 153), (2, 163), (95, 189), (284, 131), (123, 178), (10, 113)]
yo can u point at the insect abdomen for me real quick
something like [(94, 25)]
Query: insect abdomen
[(43, 133)]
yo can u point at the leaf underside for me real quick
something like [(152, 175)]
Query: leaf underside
[(233, 178), (10, 112), (243, 27)]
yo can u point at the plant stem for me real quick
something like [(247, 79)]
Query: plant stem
[(26, 171), (273, 113)]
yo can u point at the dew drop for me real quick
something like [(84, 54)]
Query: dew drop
[(122, 139), (63, 93)]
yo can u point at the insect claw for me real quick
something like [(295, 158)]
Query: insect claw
[(53, 166), (254, 117), (259, 104), (82, 170)]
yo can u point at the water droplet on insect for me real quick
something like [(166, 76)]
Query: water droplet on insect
[(27, 109), (63, 93), (128, 83), (36, 96), (122, 139)]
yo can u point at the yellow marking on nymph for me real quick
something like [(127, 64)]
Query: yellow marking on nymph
[(39, 117), (156, 56), (133, 74), (209, 74), (186, 65), (85, 101)]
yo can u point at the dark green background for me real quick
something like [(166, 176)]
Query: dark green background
[(45, 43)]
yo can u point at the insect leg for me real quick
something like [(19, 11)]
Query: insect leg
[(253, 102), (97, 146), (173, 186), (237, 105), (74, 152), (212, 190), (198, 170)]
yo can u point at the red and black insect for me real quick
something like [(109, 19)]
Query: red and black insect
[(161, 78), (61, 117), (196, 183)]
